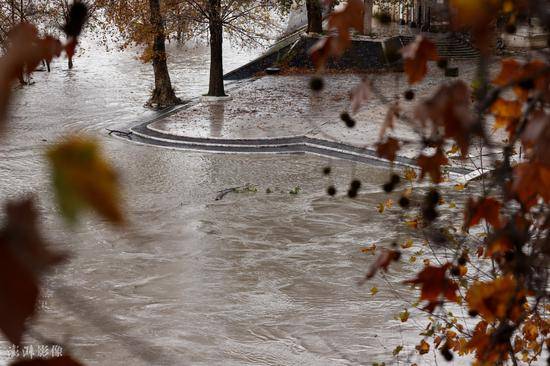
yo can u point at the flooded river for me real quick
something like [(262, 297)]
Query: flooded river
[(253, 279)]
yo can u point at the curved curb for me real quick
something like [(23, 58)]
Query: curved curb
[(142, 134)]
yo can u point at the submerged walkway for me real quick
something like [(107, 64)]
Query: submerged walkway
[(280, 114)]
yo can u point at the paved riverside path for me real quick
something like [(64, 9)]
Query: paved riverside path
[(281, 114)]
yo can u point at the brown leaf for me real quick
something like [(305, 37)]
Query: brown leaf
[(360, 95), (432, 165), (23, 257), (435, 284), (484, 208), (388, 150), (512, 71), (391, 114), (416, 56), (351, 16), (18, 295), (382, 262), (423, 347), (58, 361), (450, 108), (531, 180), (536, 135)]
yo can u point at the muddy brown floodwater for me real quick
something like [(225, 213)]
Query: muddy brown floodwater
[(253, 279)]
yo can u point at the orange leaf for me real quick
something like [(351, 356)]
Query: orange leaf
[(497, 299), (435, 284), (416, 56), (513, 71), (507, 114), (423, 347)]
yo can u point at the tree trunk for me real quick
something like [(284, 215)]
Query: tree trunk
[(314, 16), (216, 87), (367, 27), (163, 94)]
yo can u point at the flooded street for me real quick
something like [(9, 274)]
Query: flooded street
[(254, 279)]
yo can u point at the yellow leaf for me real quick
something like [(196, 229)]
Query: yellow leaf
[(413, 224), (407, 244), (404, 315), (381, 207), (410, 174), (83, 179), (373, 290), (412, 259), (397, 350), (459, 187), (388, 203), (369, 250), (454, 149), (452, 204)]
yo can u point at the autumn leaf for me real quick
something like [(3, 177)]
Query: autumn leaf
[(374, 290), (360, 95), (404, 315), (423, 347), (531, 180), (350, 16), (410, 174), (397, 350), (536, 135), (497, 299), (23, 257), (388, 149), (18, 295), (369, 250), (416, 56), (484, 208), (435, 284), (391, 115), (512, 71), (57, 361), (431, 165), (82, 178), (489, 350), (450, 108), (382, 262), (507, 114), (407, 244)]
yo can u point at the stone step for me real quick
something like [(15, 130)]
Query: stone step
[(449, 47)]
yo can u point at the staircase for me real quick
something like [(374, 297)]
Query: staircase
[(448, 46)]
